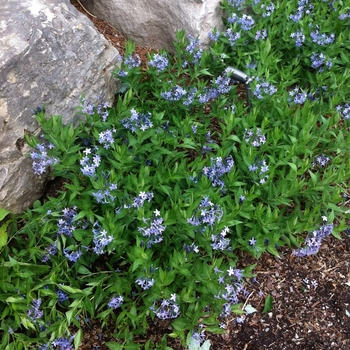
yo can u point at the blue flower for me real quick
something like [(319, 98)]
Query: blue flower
[(137, 121), (232, 37), (299, 38), (106, 138), (166, 308), (72, 256), (269, 9), (247, 22), (252, 241), (61, 296), (145, 282), (116, 302), (219, 240), (175, 94), (321, 161), (322, 39), (313, 241), (154, 231), (214, 36), (261, 34), (254, 138), (132, 61), (34, 313), (41, 159), (264, 89), (218, 169), (209, 214), (299, 97), (160, 62), (318, 61), (101, 240), (66, 222), (63, 343), (344, 110)]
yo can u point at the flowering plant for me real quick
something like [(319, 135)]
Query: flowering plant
[(163, 190)]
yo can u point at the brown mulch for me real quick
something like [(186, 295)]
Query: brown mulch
[(311, 299)]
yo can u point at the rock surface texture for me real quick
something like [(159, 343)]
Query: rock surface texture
[(50, 55), (153, 23)]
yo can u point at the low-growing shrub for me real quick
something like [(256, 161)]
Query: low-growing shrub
[(164, 188)]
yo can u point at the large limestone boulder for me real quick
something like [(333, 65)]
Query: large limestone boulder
[(153, 23), (50, 55)]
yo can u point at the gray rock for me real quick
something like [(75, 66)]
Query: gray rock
[(50, 54), (153, 23)]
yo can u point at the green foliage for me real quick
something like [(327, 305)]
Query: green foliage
[(162, 190)]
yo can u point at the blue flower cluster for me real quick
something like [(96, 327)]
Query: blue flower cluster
[(175, 94), (51, 250), (101, 240), (304, 7), (344, 15), (90, 109), (137, 121), (106, 138), (269, 9), (299, 38), (154, 232), (344, 110), (63, 343), (66, 222), (34, 313), (321, 161), (116, 302), (236, 3), (90, 162), (247, 22), (103, 196), (218, 168), (41, 159), (145, 282), (313, 241), (261, 168), (219, 240), (72, 255), (214, 36), (61, 296), (209, 214), (322, 39), (318, 61), (141, 198), (167, 309), (190, 248), (190, 96), (255, 138), (264, 89), (299, 97), (234, 286), (132, 61), (232, 37), (159, 61), (260, 34), (193, 48)]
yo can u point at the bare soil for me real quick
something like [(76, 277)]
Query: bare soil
[(311, 296)]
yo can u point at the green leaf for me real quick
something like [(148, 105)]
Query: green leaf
[(3, 234), (3, 213), (83, 270), (268, 304), (249, 309), (77, 339), (114, 346)]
